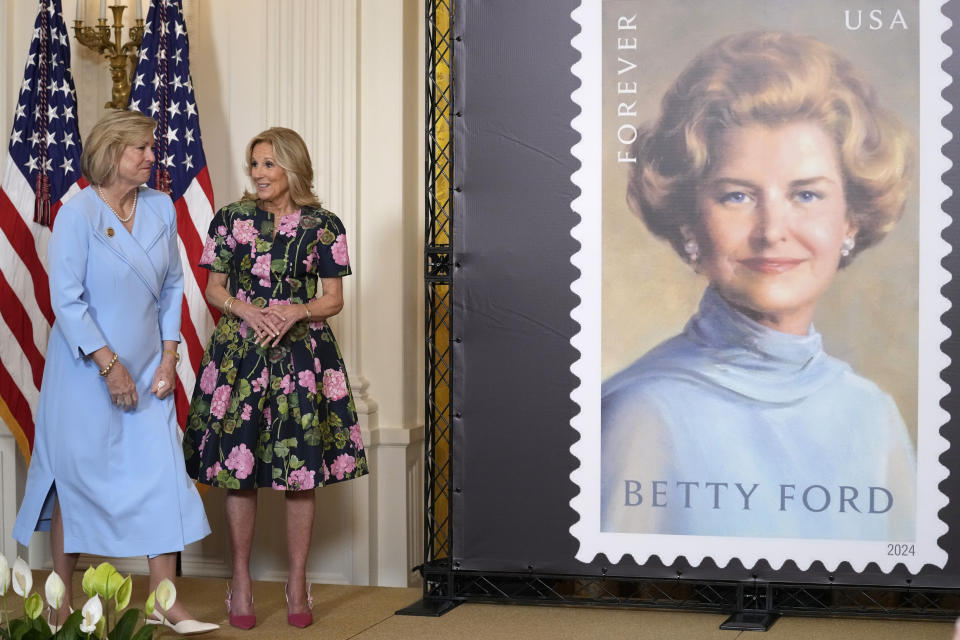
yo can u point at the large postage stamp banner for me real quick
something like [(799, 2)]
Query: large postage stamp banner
[(760, 217)]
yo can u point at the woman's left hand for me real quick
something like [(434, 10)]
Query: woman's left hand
[(284, 315), (164, 378)]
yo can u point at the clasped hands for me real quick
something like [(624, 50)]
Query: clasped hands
[(271, 323)]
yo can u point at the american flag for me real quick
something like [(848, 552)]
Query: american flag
[(42, 172), (163, 90)]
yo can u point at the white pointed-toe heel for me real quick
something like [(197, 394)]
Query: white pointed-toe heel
[(184, 627)]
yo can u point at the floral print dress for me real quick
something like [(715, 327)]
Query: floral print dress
[(280, 417)]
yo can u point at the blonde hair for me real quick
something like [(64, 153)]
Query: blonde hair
[(105, 143), (290, 152), (771, 78)]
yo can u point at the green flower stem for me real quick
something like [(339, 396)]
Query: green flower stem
[(106, 609)]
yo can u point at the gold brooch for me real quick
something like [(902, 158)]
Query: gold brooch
[(109, 232)]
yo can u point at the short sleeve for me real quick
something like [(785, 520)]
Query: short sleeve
[(218, 250), (334, 260)]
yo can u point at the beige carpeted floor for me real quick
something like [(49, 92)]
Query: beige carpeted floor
[(367, 613)]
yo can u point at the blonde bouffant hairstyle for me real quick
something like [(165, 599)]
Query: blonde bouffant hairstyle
[(105, 143), (770, 78), (290, 152)]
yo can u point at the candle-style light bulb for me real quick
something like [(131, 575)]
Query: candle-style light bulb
[(80, 10), (103, 9), (139, 10)]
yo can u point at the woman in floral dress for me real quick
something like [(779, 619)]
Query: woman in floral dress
[(272, 405)]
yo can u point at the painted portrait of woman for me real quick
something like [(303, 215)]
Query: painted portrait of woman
[(771, 167)]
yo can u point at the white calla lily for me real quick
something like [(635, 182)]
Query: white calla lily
[(166, 594), (54, 589), (4, 575), (22, 578), (91, 614)]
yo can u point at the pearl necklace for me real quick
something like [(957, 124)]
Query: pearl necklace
[(133, 209)]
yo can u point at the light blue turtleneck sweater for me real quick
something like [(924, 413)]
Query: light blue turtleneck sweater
[(734, 429)]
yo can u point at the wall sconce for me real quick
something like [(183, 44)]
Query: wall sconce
[(122, 56)]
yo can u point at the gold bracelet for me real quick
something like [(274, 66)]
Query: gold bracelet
[(306, 308), (173, 353), (106, 369), (228, 306)]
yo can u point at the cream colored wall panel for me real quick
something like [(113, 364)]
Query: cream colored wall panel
[(414, 500), (8, 92), (390, 163), (396, 476), (91, 71), (383, 282), (8, 499), (413, 207), (230, 72), (311, 90)]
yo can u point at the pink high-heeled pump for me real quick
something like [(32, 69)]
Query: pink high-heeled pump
[(300, 620), (239, 621)]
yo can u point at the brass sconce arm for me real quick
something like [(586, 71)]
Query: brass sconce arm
[(122, 56)]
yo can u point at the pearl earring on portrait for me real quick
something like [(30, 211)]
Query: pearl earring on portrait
[(847, 246), (690, 245)]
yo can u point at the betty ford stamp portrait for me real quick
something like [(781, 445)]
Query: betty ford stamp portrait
[(760, 215)]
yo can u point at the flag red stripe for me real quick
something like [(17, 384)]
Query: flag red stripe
[(200, 274), (187, 230), (18, 406), (19, 236), (192, 244), (194, 346), (203, 179), (22, 328)]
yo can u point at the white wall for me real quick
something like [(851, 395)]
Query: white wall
[(347, 75)]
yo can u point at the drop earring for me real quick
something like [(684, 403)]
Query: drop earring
[(692, 249), (847, 246)]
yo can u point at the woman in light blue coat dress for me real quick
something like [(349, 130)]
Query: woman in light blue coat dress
[(771, 166), (107, 475)]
